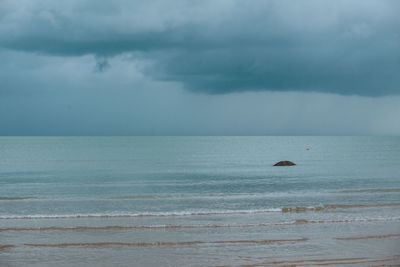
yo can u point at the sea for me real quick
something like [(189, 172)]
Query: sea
[(200, 201)]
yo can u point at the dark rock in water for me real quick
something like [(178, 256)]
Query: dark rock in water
[(284, 163)]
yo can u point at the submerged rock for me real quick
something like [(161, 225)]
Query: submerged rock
[(284, 163)]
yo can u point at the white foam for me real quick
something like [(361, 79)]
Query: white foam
[(142, 214)]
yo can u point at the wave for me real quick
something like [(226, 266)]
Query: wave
[(144, 214), (16, 198), (202, 213), (173, 227), (196, 195), (178, 196), (373, 190), (150, 197), (336, 206), (162, 243)]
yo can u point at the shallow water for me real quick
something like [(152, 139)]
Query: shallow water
[(199, 201)]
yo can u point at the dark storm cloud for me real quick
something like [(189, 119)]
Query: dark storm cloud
[(345, 47)]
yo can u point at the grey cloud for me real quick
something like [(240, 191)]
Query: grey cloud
[(214, 47), (55, 95)]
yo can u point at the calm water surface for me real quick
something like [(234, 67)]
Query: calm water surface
[(199, 201)]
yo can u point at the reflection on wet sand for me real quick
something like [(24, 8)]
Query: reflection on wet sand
[(320, 262), (161, 243), (6, 246), (173, 227), (368, 237)]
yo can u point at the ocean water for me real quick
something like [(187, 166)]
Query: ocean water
[(199, 201)]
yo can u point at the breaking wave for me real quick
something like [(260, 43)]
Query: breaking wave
[(373, 190), (16, 198), (298, 209)]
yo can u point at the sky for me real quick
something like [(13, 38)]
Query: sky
[(200, 67)]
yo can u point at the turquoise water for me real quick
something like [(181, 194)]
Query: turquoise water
[(199, 201)]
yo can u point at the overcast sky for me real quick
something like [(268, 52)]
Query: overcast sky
[(200, 67)]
